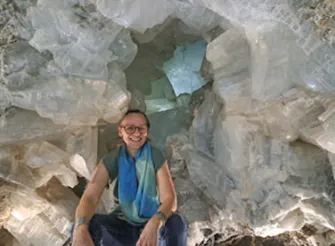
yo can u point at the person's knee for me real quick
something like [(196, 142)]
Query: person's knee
[(176, 224)]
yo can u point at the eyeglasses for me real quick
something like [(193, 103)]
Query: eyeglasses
[(131, 129)]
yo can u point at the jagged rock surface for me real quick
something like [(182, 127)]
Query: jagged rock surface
[(250, 143)]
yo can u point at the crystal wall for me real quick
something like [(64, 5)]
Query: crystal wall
[(240, 94)]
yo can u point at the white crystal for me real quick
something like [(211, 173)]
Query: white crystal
[(21, 56), (33, 165), (80, 48), (30, 213), (65, 101), (12, 169), (135, 14), (307, 60), (269, 59), (326, 139), (24, 125), (124, 49), (229, 56), (43, 154), (83, 147), (203, 125), (261, 171), (247, 158)]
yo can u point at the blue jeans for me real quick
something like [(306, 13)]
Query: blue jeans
[(108, 230)]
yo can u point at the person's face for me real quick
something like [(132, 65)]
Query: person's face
[(133, 130)]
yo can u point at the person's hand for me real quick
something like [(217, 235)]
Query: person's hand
[(149, 234), (81, 237)]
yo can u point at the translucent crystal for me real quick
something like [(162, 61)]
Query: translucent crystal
[(162, 96), (47, 161), (183, 70), (43, 154), (21, 56), (326, 139), (197, 17), (308, 60), (13, 170), (158, 105), (174, 146), (80, 47), (115, 73), (161, 88), (183, 100), (54, 213), (83, 147), (115, 102), (135, 14), (190, 205), (174, 121), (137, 100), (246, 159), (228, 55), (124, 49), (232, 138), (33, 165), (312, 133), (212, 178), (194, 209), (296, 113), (269, 60), (65, 175), (264, 172), (24, 125), (23, 25), (79, 164), (203, 125), (64, 101), (290, 116)]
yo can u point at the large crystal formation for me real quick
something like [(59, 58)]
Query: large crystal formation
[(183, 70), (309, 58), (34, 164), (136, 15), (42, 217), (240, 95), (24, 125), (65, 101), (88, 55), (229, 55), (286, 172), (80, 46)]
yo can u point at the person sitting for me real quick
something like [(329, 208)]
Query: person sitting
[(144, 194)]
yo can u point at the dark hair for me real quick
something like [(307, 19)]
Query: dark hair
[(136, 111)]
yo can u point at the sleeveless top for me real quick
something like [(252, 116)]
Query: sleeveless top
[(111, 163)]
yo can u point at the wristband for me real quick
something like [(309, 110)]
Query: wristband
[(162, 217), (81, 221)]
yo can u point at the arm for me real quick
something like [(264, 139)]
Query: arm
[(167, 193), (92, 195)]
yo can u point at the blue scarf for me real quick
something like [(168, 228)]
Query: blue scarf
[(137, 185)]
